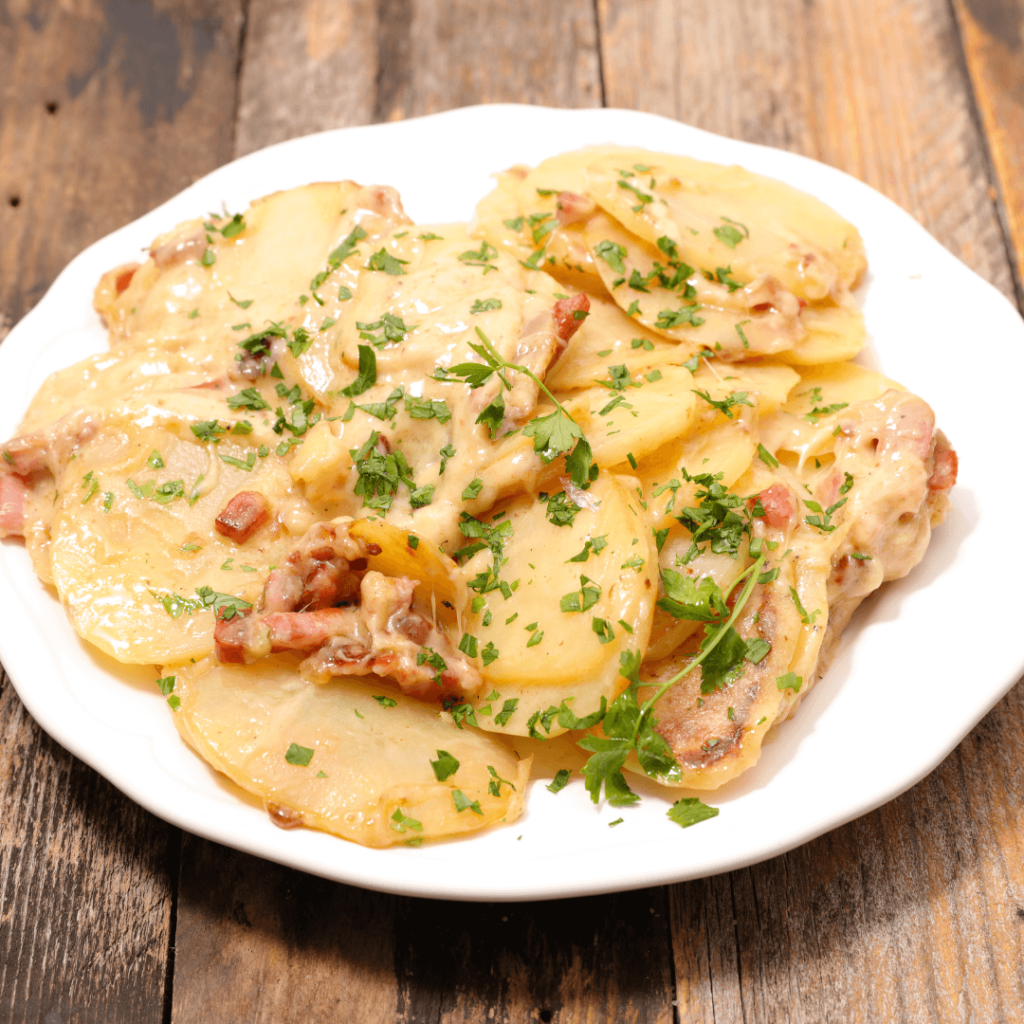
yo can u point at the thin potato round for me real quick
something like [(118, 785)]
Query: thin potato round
[(367, 750), (547, 654), (132, 540)]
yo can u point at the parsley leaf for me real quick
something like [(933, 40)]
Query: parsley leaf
[(383, 260), (249, 398), (367, 375), (689, 811), (613, 254), (445, 766), (299, 755), (727, 404)]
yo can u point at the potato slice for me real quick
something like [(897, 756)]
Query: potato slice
[(637, 419), (804, 425), (766, 385), (441, 584), (132, 540), (728, 217), (620, 341), (111, 377), (834, 332), (267, 266), (563, 657), (717, 318), (369, 777), (523, 218)]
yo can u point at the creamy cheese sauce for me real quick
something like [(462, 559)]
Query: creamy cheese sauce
[(360, 486)]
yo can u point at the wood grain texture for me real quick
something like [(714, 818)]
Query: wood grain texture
[(992, 34), (271, 945), (266, 944), (321, 64), (86, 881), (874, 87), (106, 109)]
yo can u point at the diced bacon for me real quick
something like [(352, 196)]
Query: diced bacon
[(566, 320), (543, 339), (574, 209), (13, 493), (945, 469), (318, 573), (767, 293), (777, 502), (243, 515), (229, 640), (308, 631)]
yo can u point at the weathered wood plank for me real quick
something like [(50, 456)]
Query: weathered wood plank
[(262, 943), (274, 945), (911, 913), (992, 33), (86, 886), (870, 86), (106, 109), (323, 64)]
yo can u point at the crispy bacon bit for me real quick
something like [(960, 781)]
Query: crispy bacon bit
[(946, 466), (229, 639), (243, 515), (379, 632), (12, 505), (317, 574), (573, 208), (777, 502), (124, 278), (566, 320)]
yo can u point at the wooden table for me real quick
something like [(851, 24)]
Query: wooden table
[(913, 913)]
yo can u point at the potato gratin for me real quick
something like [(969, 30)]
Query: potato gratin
[(378, 498)]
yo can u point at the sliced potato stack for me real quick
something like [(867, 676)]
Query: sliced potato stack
[(405, 389)]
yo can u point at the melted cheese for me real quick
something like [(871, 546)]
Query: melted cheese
[(312, 351)]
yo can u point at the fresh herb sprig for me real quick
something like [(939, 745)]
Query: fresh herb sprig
[(553, 435), (629, 726)]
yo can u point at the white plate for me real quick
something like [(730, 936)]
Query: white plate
[(911, 678)]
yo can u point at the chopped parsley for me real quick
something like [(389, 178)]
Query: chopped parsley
[(689, 811), (445, 766), (299, 755)]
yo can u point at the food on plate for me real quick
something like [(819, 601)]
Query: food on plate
[(387, 505)]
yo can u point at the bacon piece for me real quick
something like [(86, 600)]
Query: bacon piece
[(565, 315), (543, 339), (317, 573), (13, 493), (945, 468), (308, 631), (777, 502), (574, 209), (242, 516), (229, 637), (124, 278)]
